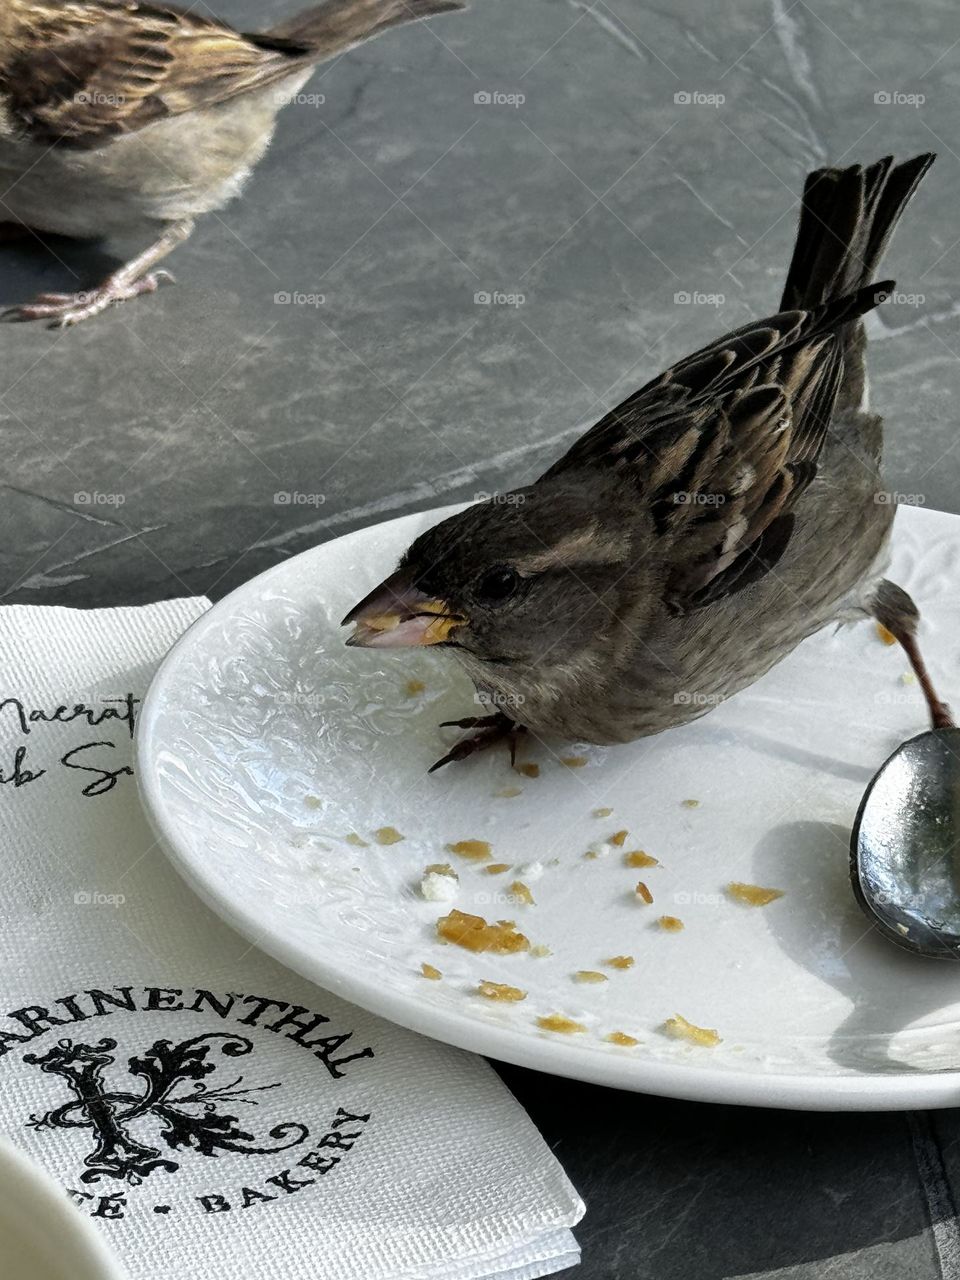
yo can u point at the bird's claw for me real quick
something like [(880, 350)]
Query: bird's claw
[(492, 729), (65, 309)]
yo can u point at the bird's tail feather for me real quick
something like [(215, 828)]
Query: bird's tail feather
[(331, 28), (846, 221)]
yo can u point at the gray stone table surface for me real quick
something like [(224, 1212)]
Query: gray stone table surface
[(629, 156)]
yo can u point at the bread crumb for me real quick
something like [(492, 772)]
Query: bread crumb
[(413, 687), (643, 893), (602, 813), (312, 802), (430, 972), (540, 951), (589, 975), (620, 962), (439, 883), (621, 1038), (475, 850), (752, 895), (886, 636), (640, 859), (557, 1022), (497, 868), (387, 835), (522, 893), (573, 762), (356, 841), (509, 792), (529, 770), (598, 849), (690, 804), (531, 870), (618, 838), (680, 1029), (500, 991), (672, 924), (473, 933)]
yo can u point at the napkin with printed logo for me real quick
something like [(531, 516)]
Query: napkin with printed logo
[(213, 1113)]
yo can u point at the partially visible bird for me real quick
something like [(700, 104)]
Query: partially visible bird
[(121, 116), (696, 534)]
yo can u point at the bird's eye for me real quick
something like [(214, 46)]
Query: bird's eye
[(498, 584)]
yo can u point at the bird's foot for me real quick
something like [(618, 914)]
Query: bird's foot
[(490, 731), (64, 309), (894, 610)]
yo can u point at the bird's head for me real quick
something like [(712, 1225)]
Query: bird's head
[(536, 575)]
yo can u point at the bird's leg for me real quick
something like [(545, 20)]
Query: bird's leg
[(894, 609), (130, 280), (491, 730)]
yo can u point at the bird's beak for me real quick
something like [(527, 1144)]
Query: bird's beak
[(396, 614)]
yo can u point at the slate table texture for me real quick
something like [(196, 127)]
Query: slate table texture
[(592, 165)]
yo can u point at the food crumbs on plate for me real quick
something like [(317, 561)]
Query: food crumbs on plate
[(500, 991), (356, 841), (573, 762), (508, 793), (618, 838), (439, 882), (474, 933), (602, 813), (557, 1022), (312, 802), (497, 868), (589, 975), (908, 678), (621, 1038), (643, 893), (522, 893), (690, 804), (529, 770), (387, 835), (413, 687), (620, 962), (640, 859), (672, 924), (885, 635), (680, 1029), (430, 972), (540, 951), (752, 895), (475, 850)]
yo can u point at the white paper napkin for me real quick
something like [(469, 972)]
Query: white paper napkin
[(213, 1113)]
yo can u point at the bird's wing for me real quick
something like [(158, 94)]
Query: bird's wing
[(722, 445), (80, 72)]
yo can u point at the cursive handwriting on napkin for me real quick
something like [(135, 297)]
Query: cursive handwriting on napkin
[(89, 757)]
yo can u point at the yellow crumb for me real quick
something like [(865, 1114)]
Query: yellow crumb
[(640, 859), (509, 792), (643, 893), (413, 687), (529, 770), (671, 923), (476, 850), (602, 813), (621, 1038), (681, 1029), (589, 975), (500, 991), (430, 972), (886, 636), (690, 804), (618, 838), (752, 895), (521, 892), (475, 934), (312, 802), (497, 868), (356, 841), (573, 762), (620, 962), (387, 835), (591, 855), (557, 1022), (540, 951), (440, 869)]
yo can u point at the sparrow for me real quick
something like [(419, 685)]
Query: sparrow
[(137, 116), (698, 532)]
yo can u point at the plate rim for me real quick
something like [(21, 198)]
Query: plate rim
[(802, 1091)]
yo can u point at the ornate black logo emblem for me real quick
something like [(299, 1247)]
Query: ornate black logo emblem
[(189, 1120)]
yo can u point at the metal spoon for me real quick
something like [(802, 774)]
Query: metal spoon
[(905, 846)]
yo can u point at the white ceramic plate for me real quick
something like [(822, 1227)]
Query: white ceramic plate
[(264, 742)]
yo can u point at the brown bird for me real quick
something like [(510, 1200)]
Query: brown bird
[(118, 116), (700, 531)]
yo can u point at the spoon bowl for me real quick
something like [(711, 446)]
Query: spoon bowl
[(905, 846)]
